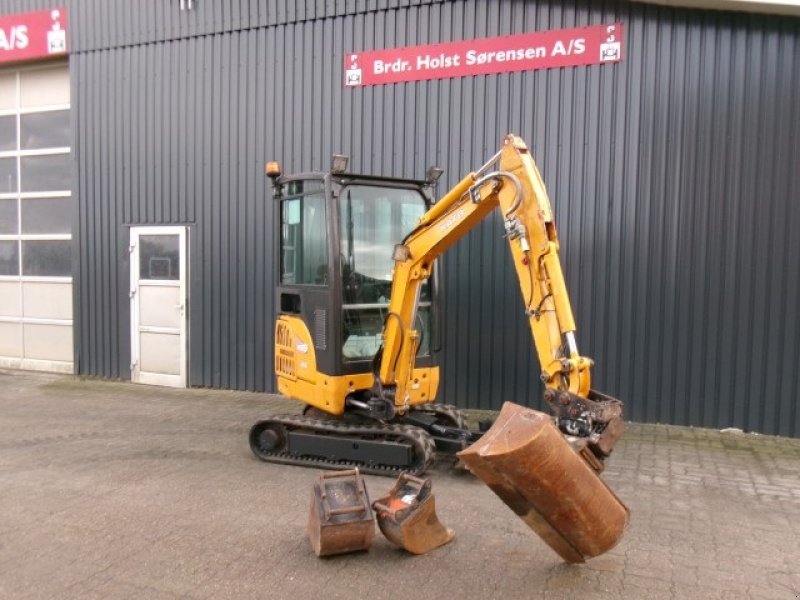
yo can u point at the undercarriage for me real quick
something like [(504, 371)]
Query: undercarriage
[(406, 443)]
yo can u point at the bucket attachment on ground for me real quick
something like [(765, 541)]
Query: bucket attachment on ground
[(341, 518), (526, 461), (407, 516)]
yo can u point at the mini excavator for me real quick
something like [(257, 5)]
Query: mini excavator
[(358, 328)]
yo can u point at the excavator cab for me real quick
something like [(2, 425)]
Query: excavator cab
[(337, 234)]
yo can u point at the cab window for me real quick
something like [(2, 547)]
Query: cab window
[(373, 220), (304, 236)]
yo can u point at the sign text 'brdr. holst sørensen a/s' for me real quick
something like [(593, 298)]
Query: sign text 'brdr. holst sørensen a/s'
[(596, 44)]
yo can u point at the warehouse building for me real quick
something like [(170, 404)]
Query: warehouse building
[(138, 234)]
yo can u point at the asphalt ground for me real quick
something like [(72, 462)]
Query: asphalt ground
[(113, 490)]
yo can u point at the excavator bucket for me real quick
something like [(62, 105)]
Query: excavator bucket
[(407, 516), (341, 519), (526, 461)]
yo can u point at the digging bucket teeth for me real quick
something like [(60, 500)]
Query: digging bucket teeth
[(407, 516), (341, 519), (527, 462)]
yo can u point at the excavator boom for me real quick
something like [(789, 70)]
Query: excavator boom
[(518, 191)]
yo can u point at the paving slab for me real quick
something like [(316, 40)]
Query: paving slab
[(114, 490)]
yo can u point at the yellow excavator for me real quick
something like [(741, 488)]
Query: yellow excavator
[(358, 328)]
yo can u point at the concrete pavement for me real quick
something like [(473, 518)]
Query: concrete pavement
[(112, 490)]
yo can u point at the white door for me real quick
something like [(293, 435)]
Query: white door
[(158, 305)]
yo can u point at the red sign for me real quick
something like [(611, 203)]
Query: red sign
[(592, 45), (27, 36)]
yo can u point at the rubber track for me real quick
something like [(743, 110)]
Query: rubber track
[(424, 447)]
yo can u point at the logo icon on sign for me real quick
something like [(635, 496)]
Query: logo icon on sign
[(56, 37), (352, 76), (612, 49)]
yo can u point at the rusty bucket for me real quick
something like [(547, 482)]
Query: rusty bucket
[(407, 516), (341, 519), (526, 461)]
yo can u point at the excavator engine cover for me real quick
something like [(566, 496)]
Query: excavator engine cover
[(407, 516), (526, 461), (341, 519)]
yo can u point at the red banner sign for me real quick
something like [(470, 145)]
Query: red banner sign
[(593, 45), (32, 35)]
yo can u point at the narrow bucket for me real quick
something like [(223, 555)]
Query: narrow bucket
[(407, 516), (527, 462), (341, 519)]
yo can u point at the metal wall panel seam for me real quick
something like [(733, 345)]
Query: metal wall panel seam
[(96, 258), (226, 275), (109, 268), (636, 226), (331, 55), (109, 227), (78, 227), (778, 240), (744, 355), (789, 416), (217, 308), (192, 62), (219, 219), (767, 161), (210, 341), (786, 311), (261, 272), (747, 354), (682, 218), (714, 282), (246, 220), (699, 167), (793, 427), (228, 197), (653, 299), (124, 160), (89, 325), (730, 307)]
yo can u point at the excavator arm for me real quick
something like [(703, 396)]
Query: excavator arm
[(518, 191), (593, 420)]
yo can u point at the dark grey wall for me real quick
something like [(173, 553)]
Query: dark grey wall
[(674, 177)]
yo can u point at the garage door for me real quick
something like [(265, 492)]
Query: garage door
[(35, 219)]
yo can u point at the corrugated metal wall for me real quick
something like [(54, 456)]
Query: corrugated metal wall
[(674, 176)]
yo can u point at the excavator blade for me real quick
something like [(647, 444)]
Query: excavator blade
[(526, 461), (341, 519), (407, 516)]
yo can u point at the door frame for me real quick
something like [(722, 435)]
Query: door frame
[(183, 238)]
